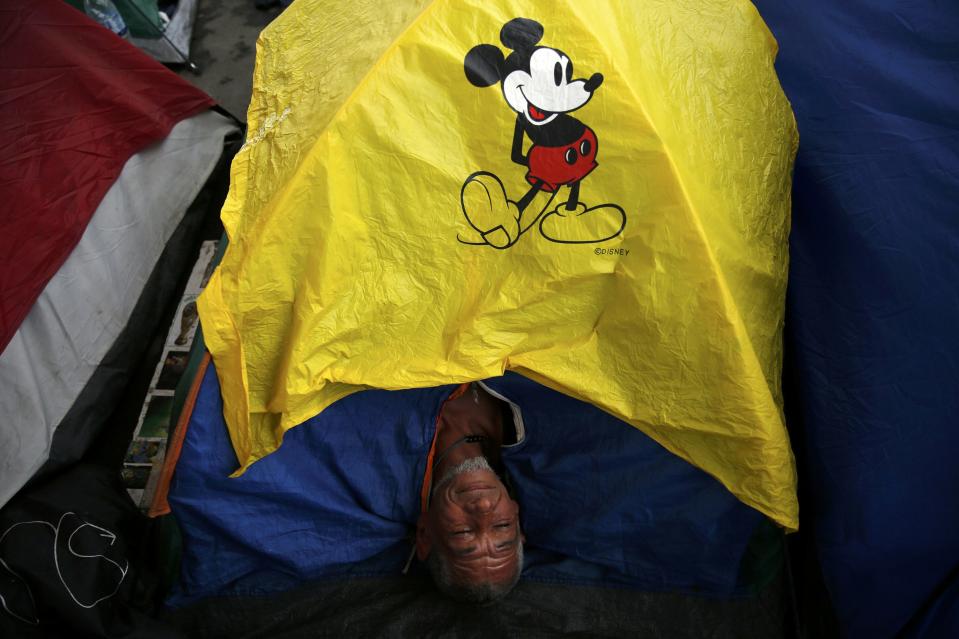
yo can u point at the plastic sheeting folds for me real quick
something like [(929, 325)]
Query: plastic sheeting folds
[(595, 196)]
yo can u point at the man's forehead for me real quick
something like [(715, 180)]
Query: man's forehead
[(478, 560), (469, 550)]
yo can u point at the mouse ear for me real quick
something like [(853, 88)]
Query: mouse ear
[(521, 33), (484, 65)]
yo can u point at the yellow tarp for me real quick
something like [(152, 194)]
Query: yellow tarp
[(361, 254)]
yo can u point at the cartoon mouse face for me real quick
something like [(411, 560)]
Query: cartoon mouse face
[(537, 81)]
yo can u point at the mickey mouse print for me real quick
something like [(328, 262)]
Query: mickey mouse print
[(537, 83)]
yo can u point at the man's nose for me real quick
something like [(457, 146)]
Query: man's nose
[(480, 503)]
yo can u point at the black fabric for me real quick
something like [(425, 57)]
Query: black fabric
[(74, 561), (411, 607)]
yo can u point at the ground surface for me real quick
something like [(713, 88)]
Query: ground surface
[(224, 49)]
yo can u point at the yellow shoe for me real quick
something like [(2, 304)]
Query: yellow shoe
[(488, 211), (583, 225)]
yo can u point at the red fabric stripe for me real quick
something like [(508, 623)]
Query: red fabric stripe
[(76, 102)]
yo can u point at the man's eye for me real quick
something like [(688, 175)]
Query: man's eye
[(460, 533), (504, 524)]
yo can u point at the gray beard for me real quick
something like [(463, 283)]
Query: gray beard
[(466, 466)]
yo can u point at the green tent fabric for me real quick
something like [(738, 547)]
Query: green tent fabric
[(142, 16)]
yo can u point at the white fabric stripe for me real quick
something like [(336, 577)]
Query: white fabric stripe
[(85, 306)]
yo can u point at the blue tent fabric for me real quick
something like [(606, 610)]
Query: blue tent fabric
[(338, 498), (601, 502), (873, 307), (939, 617), (597, 490)]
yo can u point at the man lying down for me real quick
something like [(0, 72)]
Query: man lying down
[(469, 531), (460, 476)]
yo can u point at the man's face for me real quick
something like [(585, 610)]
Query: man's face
[(475, 524)]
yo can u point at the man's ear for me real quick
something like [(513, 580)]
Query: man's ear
[(424, 540)]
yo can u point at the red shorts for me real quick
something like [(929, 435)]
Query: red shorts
[(555, 166)]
